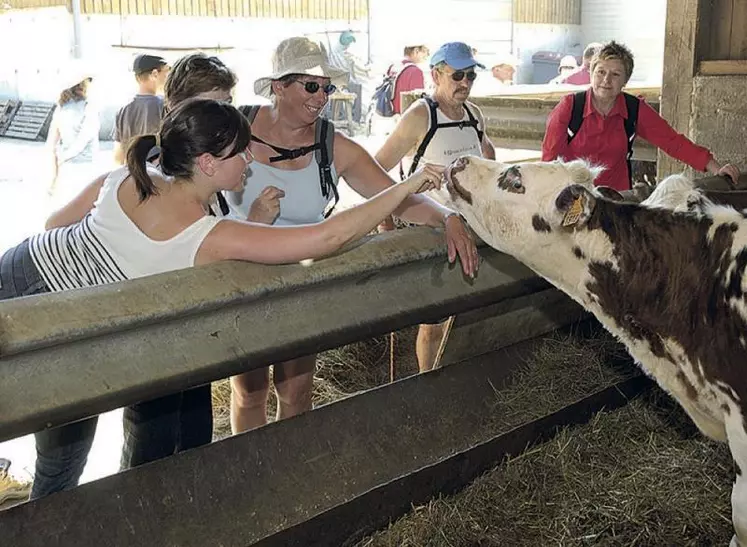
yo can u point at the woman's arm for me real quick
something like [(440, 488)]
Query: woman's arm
[(79, 207), (237, 240), (367, 177)]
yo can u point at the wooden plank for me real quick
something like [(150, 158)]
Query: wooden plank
[(720, 68), (680, 51), (720, 29), (738, 49)]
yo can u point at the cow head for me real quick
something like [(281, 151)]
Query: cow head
[(509, 206)]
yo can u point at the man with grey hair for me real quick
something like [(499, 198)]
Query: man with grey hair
[(439, 129)]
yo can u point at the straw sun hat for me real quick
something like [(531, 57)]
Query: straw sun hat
[(298, 55)]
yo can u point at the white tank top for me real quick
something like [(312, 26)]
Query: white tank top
[(450, 143), (303, 203), (106, 246)]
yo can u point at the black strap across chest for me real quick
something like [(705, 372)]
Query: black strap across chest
[(434, 126)]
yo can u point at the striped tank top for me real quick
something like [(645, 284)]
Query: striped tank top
[(106, 246)]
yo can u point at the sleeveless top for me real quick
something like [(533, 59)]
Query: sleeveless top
[(449, 143), (106, 246), (303, 202)]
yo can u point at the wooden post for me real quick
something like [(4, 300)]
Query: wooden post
[(681, 54)]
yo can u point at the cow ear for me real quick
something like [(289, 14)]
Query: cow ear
[(576, 203), (610, 193)]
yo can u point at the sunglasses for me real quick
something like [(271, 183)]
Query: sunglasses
[(312, 87), (459, 75)]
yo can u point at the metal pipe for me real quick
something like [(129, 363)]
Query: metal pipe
[(77, 41)]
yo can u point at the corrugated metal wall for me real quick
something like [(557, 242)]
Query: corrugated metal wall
[(550, 12), (351, 10)]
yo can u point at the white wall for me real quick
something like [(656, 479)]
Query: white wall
[(531, 38), (639, 24)]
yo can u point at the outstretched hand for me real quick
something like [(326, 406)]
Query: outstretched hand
[(427, 177)]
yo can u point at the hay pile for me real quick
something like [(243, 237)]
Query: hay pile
[(641, 475)]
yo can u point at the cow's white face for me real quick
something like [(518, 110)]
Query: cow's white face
[(509, 206)]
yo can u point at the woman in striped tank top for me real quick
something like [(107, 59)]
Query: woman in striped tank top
[(146, 220)]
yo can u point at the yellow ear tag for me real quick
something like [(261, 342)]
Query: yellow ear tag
[(574, 213)]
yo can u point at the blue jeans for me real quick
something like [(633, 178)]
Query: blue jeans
[(61, 452)]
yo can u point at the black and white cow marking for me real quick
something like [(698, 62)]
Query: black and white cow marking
[(666, 276)]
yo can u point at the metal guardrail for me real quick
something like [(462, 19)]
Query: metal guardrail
[(74, 354)]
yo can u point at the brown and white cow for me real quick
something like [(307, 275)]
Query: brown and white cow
[(666, 276)]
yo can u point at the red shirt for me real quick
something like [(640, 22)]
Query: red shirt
[(580, 76), (409, 78), (602, 141)]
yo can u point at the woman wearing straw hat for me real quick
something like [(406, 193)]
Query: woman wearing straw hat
[(286, 185), (73, 136)]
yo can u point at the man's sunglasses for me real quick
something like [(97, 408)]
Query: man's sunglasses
[(459, 75), (312, 87)]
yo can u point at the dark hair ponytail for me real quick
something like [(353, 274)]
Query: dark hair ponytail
[(137, 160), (196, 127)]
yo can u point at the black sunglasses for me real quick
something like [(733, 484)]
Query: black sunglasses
[(459, 75), (312, 87)]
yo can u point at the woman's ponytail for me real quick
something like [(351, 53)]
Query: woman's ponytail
[(137, 158)]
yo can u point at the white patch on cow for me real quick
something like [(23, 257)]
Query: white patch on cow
[(672, 193), (742, 340)]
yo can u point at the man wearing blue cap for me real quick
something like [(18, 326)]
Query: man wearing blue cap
[(439, 129)]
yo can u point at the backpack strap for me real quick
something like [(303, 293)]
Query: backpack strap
[(324, 140), (435, 126), (577, 114), (474, 123), (432, 128), (632, 103)]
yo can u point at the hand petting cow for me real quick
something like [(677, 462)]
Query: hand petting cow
[(666, 276)]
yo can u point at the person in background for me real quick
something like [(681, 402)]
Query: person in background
[(568, 65), (142, 114), (409, 76), (459, 131), (73, 138), (582, 75), (602, 138), (342, 58)]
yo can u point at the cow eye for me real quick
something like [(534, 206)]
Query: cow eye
[(517, 183)]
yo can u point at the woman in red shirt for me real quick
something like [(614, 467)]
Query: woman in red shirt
[(602, 138)]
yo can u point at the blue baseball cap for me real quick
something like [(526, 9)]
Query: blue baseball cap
[(457, 55)]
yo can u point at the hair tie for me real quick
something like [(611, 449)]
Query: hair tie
[(158, 140)]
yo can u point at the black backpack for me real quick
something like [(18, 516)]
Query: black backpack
[(632, 103), (435, 126), (323, 149)]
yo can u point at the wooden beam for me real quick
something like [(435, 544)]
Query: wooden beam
[(680, 44), (720, 68)]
